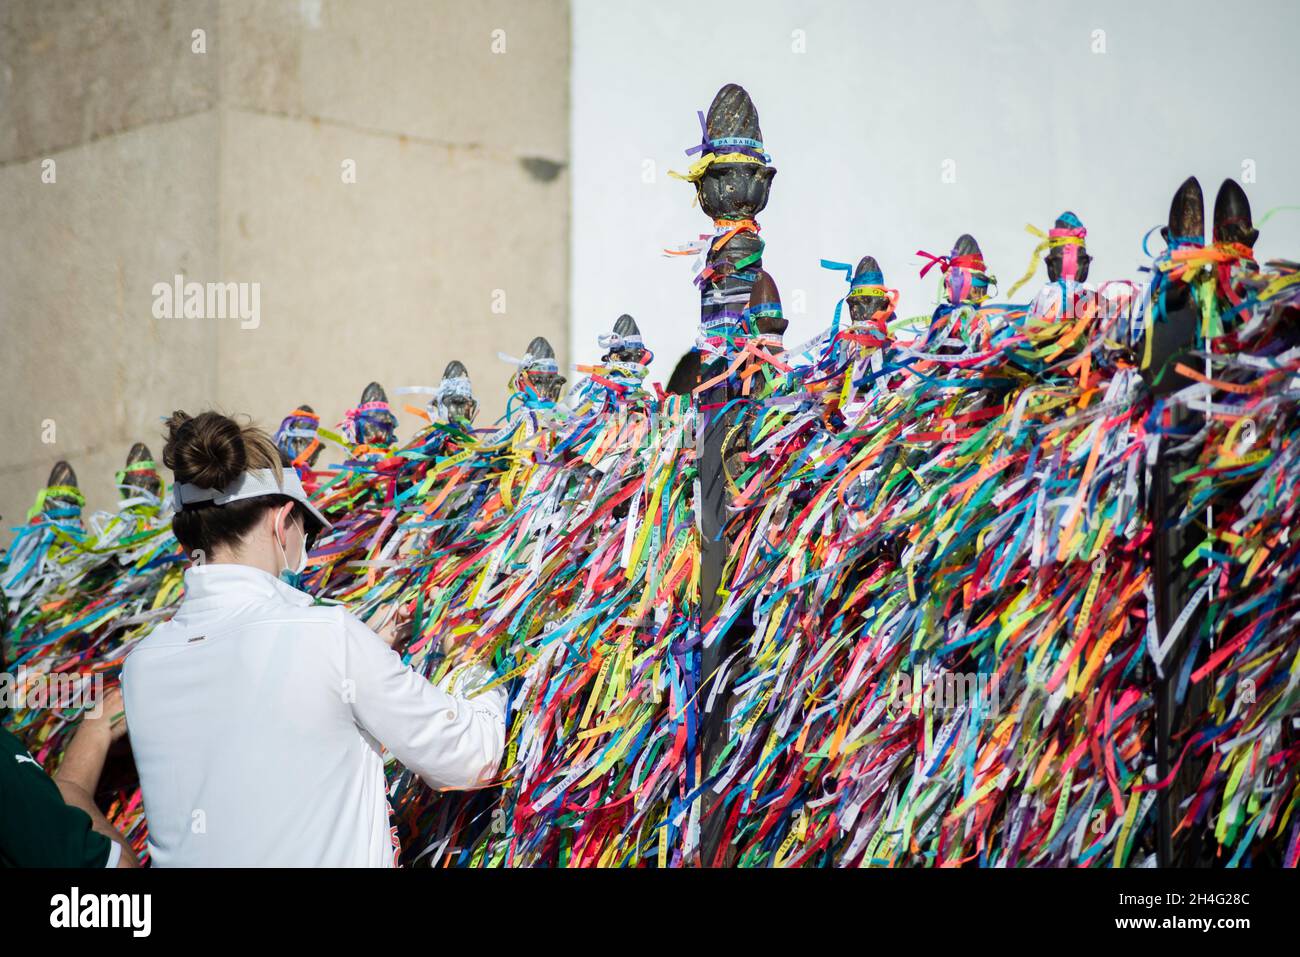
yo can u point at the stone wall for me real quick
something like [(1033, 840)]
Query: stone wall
[(235, 165)]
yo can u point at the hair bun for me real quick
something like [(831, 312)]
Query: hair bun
[(207, 450)]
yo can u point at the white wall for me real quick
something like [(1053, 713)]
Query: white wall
[(859, 125)]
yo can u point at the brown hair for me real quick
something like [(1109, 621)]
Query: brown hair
[(212, 450)]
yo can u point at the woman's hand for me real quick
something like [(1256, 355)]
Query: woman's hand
[(397, 630)]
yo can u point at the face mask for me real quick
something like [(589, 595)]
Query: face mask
[(293, 577)]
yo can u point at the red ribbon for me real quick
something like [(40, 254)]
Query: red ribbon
[(969, 261)]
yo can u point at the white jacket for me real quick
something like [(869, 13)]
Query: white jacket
[(258, 719)]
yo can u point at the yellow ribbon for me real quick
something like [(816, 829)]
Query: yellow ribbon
[(1047, 243), (701, 166)]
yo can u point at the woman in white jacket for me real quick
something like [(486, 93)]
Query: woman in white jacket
[(258, 719)]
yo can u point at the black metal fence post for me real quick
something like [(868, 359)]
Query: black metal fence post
[(732, 180)]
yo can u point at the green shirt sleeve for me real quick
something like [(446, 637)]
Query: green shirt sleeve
[(37, 827)]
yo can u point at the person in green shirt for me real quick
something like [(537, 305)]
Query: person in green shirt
[(53, 822)]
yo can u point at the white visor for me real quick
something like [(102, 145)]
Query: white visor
[(252, 484)]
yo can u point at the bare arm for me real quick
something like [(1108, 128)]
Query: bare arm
[(83, 762)]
